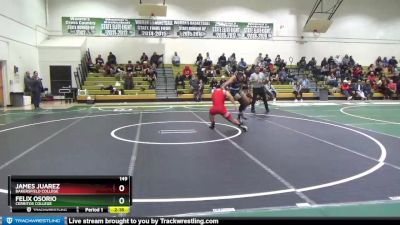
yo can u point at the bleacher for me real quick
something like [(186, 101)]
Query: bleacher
[(284, 90), (96, 82)]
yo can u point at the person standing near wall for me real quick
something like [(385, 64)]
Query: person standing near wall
[(36, 89), (27, 83)]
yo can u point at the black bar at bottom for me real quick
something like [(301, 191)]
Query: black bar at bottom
[(44, 209)]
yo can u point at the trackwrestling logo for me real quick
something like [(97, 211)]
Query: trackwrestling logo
[(33, 220)]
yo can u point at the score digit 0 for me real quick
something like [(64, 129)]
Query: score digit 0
[(121, 201), (121, 188)]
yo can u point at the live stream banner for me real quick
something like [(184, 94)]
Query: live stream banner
[(117, 27)]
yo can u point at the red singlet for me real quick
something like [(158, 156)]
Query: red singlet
[(218, 99)]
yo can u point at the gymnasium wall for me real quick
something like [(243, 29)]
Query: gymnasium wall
[(23, 27), (362, 28)]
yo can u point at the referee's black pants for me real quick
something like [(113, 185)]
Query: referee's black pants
[(259, 92)]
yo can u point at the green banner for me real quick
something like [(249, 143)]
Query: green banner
[(118, 27)]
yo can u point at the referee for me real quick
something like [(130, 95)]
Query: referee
[(258, 80)]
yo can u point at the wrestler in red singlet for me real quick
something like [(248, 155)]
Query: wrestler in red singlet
[(218, 99)]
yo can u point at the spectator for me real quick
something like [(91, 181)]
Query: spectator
[(144, 58), (128, 81), (312, 64), (367, 89), (207, 60), (151, 77), (297, 91), (232, 59), (305, 84), (222, 60), (346, 61), (36, 89), (27, 83), (129, 67), (398, 89), (393, 62), (99, 60), (242, 65), (180, 80), (199, 60), (138, 67), (345, 87), (187, 72), (352, 63), (196, 86), (176, 60), (324, 62), (213, 83), (283, 76), (270, 90), (259, 60), (358, 90), (392, 89), (332, 80), (156, 60), (267, 60), (112, 59)]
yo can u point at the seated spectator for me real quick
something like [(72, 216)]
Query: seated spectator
[(176, 60), (398, 89), (270, 90), (232, 59), (283, 76), (196, 87), (367, 89), (305, 84), (274, 78), (211, 72), (199, 60), (324, 62), (297, 91), (385, 61), (259, 60), (144, 58), (242, 65), (230, 68), (392, 89), (180, 80), (202, 75), (302, 64), (278, 60), (138, 67), (223, 80), (213, 83), (312, 64), (393, 62), (345, 88), (222, 60), (99, 60), (358, 90), (357, 72), (151, 78), (91, 67), (332, 80), (207, 60), (112, 59), (345, 61), (266, 60), (129, 67), (128, 81), (187, 72), (371, 78)]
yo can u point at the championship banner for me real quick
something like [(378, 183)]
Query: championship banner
[(118, 27)]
